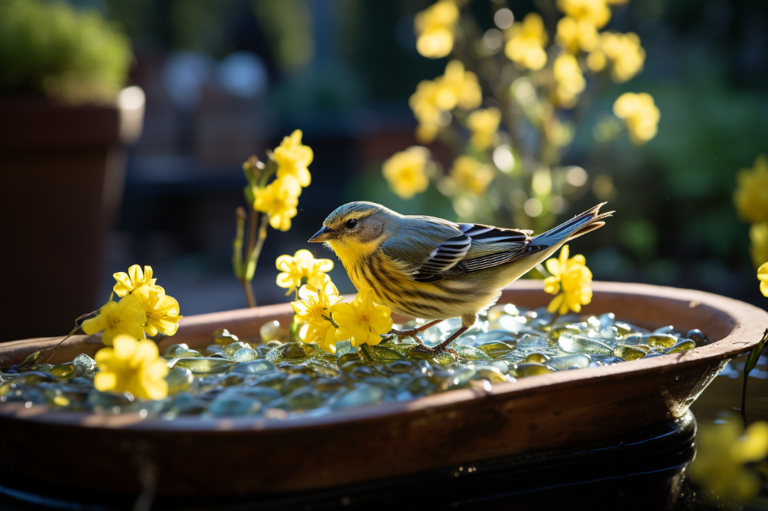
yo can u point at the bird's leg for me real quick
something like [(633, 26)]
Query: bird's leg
[(467, 321), (412, 332)]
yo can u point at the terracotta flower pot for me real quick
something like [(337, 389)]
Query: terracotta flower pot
[(585, 408), (62, 182)]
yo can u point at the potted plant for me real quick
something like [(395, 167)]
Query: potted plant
[(65, 116)]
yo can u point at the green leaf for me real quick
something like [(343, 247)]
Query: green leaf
[(31, 358), (754, 355)]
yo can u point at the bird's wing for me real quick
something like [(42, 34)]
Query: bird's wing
[(473, 248)]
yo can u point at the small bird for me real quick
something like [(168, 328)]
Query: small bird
[(433, 269)]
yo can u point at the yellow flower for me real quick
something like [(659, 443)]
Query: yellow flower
[(470, 174), (569, 78), (758, 248), (406, 171), (571, 279), (484, 124), (362, 320), (624, 51), (762, 276), (314, 309), (114, 318), (458, 87), (640, 114), (433, 99), (434, 29), (301, 269), (162, 311), (292, 159), (722, 450), (132, 366), (574, 34), (135, 278), (751, 195), (595, 12), (525, 42), (278, 200)]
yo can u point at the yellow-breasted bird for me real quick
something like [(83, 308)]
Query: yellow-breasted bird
[(433, 269)]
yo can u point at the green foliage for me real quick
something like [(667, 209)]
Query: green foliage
[(51, 49)]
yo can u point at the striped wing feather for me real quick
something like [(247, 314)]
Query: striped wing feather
[(485, 245)]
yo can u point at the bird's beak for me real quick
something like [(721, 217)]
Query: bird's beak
[(324, 234)]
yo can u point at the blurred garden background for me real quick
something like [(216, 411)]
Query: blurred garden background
[(225, 79)]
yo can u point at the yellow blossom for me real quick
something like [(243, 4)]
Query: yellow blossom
[(470, 174), (722, 450), (293, 158), (625, 53), (458, 87), (751, 195), (132, 366), (114, 318), (362, 320), (569, 78), (434, 99), (571, 279), (595, 12), (127, 282), (314, 309), (406, 171), (278, 200), (575, 34), (758, 248), (162, 311), (301, 269), (525, 42), (762, 276), (484, 125), (640, 114), (435, 28)]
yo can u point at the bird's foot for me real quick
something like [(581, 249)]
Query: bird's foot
[(433, 352), (407, 333)]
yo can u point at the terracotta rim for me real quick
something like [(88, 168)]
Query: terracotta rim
[(742, 328)]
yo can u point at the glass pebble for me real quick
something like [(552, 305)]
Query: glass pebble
[(661, 340), (224, 338), (363, 395), (170, 351), (626, 352), (84, 365), (270, 331), (233, 405), (246, 354), (530, 369), (204, 365), (254, 367), (492, 374), (303, 398), (496, 349), (568, 362), (179, 379), (536, 357), (697, 336), (684, 345), (64, 372), (580, 344)]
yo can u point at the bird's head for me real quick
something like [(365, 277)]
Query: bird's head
[(356, 228)]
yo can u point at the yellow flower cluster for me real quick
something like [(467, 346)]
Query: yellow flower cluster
[(751, 195), (328, 321), (571, 279), (406, 171), (525, 42), (469, 174), (484, 125), (758, 248), (279, 199), (762, 276), (569, 79), (301, 269), (722, 450), (640, 114), (624, 53), (434, 99), (435, 27), (132, 366), (143, 307)]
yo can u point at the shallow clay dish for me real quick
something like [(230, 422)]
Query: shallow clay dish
[(586, 407)]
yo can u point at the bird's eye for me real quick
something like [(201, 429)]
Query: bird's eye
[(351, 223)]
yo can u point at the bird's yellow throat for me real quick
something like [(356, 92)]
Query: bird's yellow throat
[(352, 252)]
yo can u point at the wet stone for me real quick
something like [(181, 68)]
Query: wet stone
[(254, 367), (627, 353), (684, 345), (697, 336), (204, 365), (661, 340), (179, 379), (580, 344)]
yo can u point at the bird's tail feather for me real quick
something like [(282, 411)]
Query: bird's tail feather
[(575, 227)]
